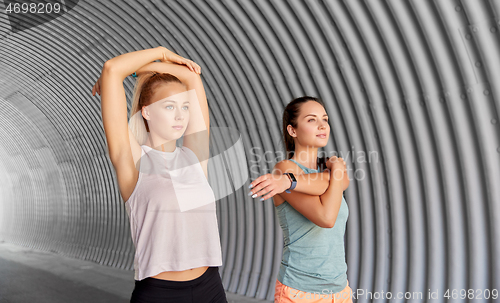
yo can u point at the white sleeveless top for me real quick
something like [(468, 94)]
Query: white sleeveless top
[(173, 221)]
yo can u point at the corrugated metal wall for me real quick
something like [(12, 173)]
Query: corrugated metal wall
[(415, 83)]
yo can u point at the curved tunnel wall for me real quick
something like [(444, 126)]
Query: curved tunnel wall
[(411, 88)]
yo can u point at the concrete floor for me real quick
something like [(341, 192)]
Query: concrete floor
[(27, 275)]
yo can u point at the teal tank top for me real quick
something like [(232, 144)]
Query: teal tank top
[(313, 257)]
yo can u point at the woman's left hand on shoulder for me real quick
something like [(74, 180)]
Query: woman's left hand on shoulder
[(345, 180)]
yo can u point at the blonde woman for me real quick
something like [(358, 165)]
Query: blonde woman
[(311, 209), (169, 202)]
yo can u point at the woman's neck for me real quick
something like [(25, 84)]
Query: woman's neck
[(168, 146), (307, 156)]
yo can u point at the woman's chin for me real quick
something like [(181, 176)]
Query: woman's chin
[(317, 145), (321, 142)]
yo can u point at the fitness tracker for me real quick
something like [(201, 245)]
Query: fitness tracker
[(294, 181)]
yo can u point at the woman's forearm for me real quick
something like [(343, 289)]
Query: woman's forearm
[(126, 64), (180, 71), (317, 183), (332, 199), (313, 184)]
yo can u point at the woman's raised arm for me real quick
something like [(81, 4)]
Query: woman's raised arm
[(114, 103), (113, 100), (126, 64)]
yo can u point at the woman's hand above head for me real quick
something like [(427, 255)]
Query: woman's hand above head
[(171, 57), (269, 185)]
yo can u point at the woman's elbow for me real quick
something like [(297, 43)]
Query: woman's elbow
[(192, 79), (111, 70), (328, 222), (107, 66)]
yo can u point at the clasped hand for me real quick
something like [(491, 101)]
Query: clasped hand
[(338, 169)]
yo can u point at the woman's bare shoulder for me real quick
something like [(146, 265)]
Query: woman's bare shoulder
[(287, 166)]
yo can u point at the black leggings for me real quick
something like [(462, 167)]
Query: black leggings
[(207, 288)]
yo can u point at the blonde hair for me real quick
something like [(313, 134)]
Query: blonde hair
[(144, 89)]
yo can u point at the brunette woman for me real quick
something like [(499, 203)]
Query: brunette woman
[(311, 209)]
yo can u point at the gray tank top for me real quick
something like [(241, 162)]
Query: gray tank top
[(313, 257), (172, 214)]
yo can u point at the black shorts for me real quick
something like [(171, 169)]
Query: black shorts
[(207, 288)]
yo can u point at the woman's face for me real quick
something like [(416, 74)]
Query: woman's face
[(168, 114), (312, 129)]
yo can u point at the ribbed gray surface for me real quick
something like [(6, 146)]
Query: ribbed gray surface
[(411, 85)]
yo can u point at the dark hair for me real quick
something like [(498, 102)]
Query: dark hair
[(290, 115), (147, 85)]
